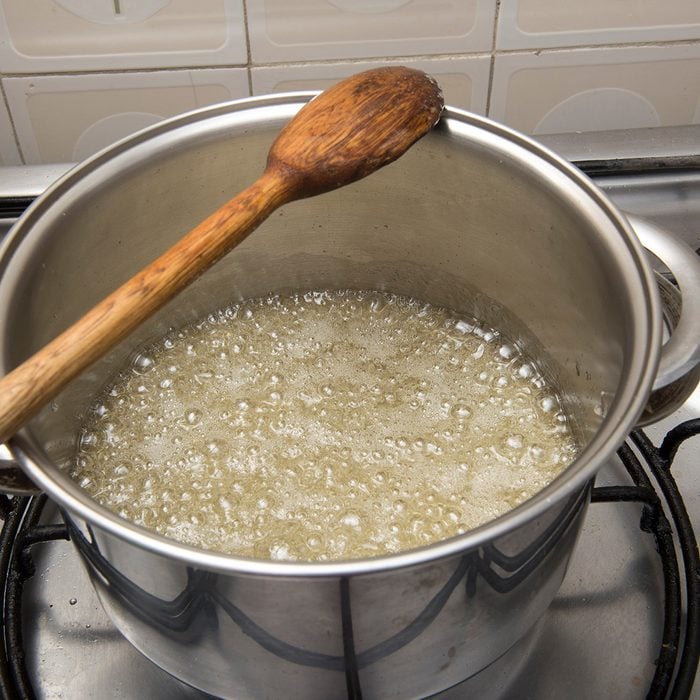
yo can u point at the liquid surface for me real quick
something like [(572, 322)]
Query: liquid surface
[(328, 425)]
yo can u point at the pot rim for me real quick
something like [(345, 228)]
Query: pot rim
[(622, 414)]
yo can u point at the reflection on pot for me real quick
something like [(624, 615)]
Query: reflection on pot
[(215, 618)]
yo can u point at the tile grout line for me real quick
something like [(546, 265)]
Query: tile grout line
[(249, 64), (248, 49), (15, 136), (492, 64), (487, 52)]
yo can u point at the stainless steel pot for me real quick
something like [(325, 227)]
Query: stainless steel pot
[(474, 217)]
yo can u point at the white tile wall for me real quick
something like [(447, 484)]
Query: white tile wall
[(60, 35), (78, 74), (525, 24), (464, 81), (66, 118), (301, 30), (9, 155), (597, 89)]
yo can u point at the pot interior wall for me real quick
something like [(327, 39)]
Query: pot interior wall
[(464, 219)]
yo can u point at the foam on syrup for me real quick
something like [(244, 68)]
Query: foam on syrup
[(323, 425)]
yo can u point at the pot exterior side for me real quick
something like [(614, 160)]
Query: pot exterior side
[(407, 633)]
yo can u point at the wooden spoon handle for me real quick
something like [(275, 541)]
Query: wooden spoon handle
[(347, 132), (32, 384)]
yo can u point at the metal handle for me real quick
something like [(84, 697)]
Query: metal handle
[(12, 479), (679, 366)]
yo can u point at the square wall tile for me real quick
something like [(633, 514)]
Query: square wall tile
[(464, 81), (524, 24), (64, 119), (9, 155), (597, 89), (302, 30), (66, 35)]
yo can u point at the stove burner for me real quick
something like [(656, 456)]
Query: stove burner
[(663, 515)]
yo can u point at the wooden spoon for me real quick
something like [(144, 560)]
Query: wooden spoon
[(344, 134)]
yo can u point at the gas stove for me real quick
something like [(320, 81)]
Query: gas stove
[(626, 621)]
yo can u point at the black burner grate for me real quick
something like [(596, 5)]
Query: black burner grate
[(21, 530), (679, 652), (664, 516)]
